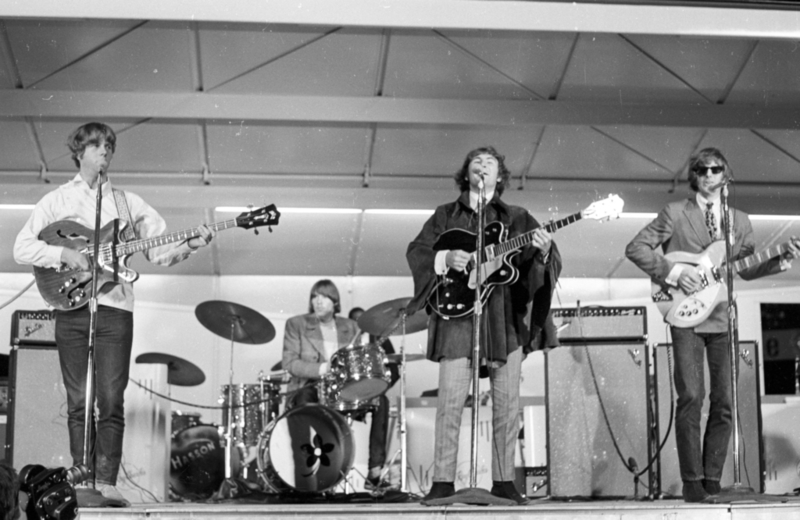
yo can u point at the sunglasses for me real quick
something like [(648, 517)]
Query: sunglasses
[(705, 170)]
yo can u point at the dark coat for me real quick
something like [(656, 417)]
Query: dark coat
[(513, 313)]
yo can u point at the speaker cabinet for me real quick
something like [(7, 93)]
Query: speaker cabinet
[(750, 445), (37, 425), (596, 394)]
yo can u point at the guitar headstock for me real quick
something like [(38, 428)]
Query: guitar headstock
[(606, 209), (266, 216)]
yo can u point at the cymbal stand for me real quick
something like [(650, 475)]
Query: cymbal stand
[(402, 421), (229, 429)]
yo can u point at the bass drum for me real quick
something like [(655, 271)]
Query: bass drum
[(197, 462), (309, 449)]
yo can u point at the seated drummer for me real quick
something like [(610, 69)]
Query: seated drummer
[(309, 341)]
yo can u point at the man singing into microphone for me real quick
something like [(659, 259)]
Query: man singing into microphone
[(512, 316), (691, 226), (92, 146)]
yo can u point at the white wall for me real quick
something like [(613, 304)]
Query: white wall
[(165, 320)]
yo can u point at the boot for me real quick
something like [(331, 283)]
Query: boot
[(507, 489), (440, 490)]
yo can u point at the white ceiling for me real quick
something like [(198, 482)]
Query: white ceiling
[(373, 105)]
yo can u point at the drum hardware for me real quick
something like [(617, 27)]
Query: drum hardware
[(243, 325), (180, 372), (384, 320)]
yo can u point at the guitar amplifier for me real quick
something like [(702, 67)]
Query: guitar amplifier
[(600, 324), (33, 328)]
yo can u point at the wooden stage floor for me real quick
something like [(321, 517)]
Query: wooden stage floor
[(541, 509)]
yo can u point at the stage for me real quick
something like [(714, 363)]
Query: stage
[(542, 509)]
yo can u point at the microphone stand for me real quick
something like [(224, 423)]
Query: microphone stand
[(88, 412), (474, 495), (738, 491)]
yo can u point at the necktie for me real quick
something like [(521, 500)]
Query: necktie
[(711, 220)]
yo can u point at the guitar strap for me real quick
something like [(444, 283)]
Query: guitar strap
[(129, 233)]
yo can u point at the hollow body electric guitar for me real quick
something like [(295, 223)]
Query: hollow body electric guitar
[(454, 292), (689, 310), (68, 289)]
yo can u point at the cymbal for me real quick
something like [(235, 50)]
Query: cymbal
[(277, 366), (384, 319), (397, 359), (180, 371), (233, 321)]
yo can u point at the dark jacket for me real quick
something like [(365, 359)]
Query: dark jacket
[(513, 313)]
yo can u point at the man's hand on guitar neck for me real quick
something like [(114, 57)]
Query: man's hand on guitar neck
[(75, 260), (206, 234)]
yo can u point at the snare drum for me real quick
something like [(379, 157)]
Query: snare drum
[(308, 449), (251, 410), (360, 372)]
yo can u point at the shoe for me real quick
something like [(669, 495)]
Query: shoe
[(693, 491), (712, 487), (439, 490), (507, 489), (112, 493)]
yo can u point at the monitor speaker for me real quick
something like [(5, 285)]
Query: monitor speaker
[(750, 445), (37, 423), (596, 399)]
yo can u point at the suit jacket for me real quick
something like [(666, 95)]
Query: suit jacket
[(303, 350), (680, 226)]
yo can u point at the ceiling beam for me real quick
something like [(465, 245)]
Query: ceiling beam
[(366, 110), (439, 14)]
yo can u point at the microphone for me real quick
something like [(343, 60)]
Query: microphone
[(720, 184)]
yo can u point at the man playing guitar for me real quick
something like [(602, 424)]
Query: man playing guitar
[(92, 146), (691, 226)]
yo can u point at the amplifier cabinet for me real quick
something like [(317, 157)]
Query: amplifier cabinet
[(600, 324), (596, 402), (37, 328)]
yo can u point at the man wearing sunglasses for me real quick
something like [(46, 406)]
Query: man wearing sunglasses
[(691, 225)]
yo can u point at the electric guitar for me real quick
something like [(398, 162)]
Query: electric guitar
[(454, 292), (689, 310), (67, 289)]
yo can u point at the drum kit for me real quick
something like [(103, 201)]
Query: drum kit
[(306, 450)]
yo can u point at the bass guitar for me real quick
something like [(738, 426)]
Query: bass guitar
[(684, 310), (454, 292), (67, 289)]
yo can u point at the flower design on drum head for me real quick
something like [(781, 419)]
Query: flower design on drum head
[(317, 454)]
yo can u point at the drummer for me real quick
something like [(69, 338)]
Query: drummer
[(380, 415), (309, 342)]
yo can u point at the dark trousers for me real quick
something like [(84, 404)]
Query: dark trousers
[(377, 430), (112, 355), (690, 350)]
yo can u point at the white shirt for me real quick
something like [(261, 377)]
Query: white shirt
[(75, 201)]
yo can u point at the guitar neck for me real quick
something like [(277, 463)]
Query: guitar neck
[(144, 244), (526, 238), (759, 257)]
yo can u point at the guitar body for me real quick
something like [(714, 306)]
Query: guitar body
[(453, 296), (67, 289), (689, 310)]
